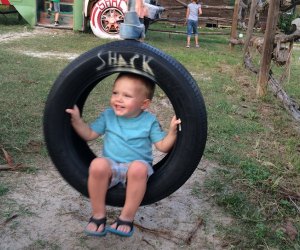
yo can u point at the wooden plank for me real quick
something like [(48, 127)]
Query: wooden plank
[(263, 77), (219, 7), (251, 22), (233, 34)]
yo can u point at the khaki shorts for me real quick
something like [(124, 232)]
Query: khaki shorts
[(119, 172)]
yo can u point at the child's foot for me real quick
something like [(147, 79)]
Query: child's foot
[(121, 228), (197, 46), (56, 23), (96, 227), (187, 46)]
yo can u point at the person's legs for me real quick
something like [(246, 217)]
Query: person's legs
[(50, 7), (57, 11), (146, 23), (56, 17), (140, 8), (196, 40), (195, 31), (99, 177), (188, 41), (137, 177), (189, 33)]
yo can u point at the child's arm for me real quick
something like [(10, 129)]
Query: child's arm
[(187, 14), (167, 143), (200, 10), (82, 129), (139, 8)]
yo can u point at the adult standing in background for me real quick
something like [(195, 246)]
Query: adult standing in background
[(192, 12)]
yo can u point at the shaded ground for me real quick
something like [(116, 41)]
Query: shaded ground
[(52, 215)]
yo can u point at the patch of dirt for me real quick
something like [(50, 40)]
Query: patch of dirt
[(49, 54), (49, 214), (11, 36)]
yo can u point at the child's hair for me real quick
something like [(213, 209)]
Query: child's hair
[(150, 85)]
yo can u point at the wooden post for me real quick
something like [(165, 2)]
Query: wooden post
[(233, 34), (264, 70), (250, 25)]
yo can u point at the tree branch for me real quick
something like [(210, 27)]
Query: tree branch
[(289, 7)]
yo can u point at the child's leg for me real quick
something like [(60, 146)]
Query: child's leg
[(189, 32), (56, 16), (137, 177), (99, 176), (188, 40), (57, 11), (139, 8), (50, 8), (196, 40), (195, 31)]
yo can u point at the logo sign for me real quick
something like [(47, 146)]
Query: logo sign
[(116, 59)]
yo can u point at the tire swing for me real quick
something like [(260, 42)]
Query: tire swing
[(72, 156)]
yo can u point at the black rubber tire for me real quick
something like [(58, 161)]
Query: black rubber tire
[(72, 156)]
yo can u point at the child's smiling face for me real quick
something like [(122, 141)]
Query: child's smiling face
[(129, 97)]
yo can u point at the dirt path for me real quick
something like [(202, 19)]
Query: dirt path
[(12, 36), (51, 215)]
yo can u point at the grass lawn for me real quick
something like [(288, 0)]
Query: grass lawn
[(255, 141)]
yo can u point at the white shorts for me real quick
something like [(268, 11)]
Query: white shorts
[(119, 172)]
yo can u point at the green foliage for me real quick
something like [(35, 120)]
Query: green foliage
[(234, 202), (285, 21), (254, 173), (3, 190), (231, 2), (261, 231)]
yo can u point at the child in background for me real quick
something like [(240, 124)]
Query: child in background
[(56, 5), (192, 12)]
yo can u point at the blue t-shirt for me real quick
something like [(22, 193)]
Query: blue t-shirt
[(128, 139)]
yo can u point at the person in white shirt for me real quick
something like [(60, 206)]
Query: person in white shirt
[(192, 13)]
